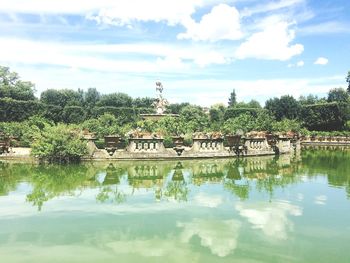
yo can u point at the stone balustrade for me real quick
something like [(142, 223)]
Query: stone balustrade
[(256, 145), (208, 145), (326, 140), (145, 145)]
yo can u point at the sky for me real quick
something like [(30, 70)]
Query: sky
[(199, 49)]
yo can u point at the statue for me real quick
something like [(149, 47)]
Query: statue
[(160, 103)]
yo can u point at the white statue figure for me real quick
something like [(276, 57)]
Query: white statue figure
[(160, 102)]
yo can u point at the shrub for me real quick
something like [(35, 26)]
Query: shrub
[(235, 112), (60, 144)]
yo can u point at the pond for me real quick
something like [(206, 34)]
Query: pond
[(292, 208)]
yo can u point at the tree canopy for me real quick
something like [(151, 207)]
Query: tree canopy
[(12, 87)]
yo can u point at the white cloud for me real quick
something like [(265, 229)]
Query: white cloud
[(125, 10), (212, 57), (273, 43), (221, 23), (321, 61), (321, 200), (220, 236), (271, 218), (331, 27), (134, 58), (120, 14), (271, 6), (206, 200), (300, 63)]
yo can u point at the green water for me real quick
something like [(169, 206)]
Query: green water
[(266, 209)]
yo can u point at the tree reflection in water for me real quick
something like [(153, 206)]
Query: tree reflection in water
[(174, 180)]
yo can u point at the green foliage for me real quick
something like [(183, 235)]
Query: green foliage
[(168, 142), (91, 97), (251, 104), (232, 100), (310, 99), (115, 100), (73, 114), (263, 121), (62, 98), (172, 126), (176, 108), (104, 125), (123, 114), (53, 112), (59, 143), (143, 103), (195, 118), (286, 125), (216, 116), (244, 122), (338, 95), (235, 112), (284, 107), (31, 129), (325, 116), (18, 110), (12, 87), (348, 81)]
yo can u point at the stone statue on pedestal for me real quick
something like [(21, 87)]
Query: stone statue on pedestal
[(160, 103)]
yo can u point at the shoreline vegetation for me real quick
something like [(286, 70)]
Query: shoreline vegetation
[(53, 125)]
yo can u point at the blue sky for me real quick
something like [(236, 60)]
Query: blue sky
[(199, 49)]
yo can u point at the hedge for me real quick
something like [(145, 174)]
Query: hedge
[(325, 116), (18, 110), (235, 112), (73, 114), (123, 114)]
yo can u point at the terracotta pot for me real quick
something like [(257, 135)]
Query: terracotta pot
[(233, 140), (178, 141), (111, 141)]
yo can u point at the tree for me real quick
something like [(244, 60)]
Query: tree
[(338, 95), (284, 107), (348, 81), (12, 87), (309, 99), (116, 100), (59, 144), (91, 97), (195, 118), (175, 108), (253, 104), (143, 102), (232, 99), (62, 98)]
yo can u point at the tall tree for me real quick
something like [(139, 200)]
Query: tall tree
[(12, 87), (232, 99), (348, 81), (62, 98), (284, 107), (338, 95), (91, 97), (116, 100)]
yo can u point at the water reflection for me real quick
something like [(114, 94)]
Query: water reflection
[(245, 210), (173, 181), (220, 236), (271, 218)]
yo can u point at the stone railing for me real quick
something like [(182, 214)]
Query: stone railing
[(327, 140), (208, 142), (146, 144)]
